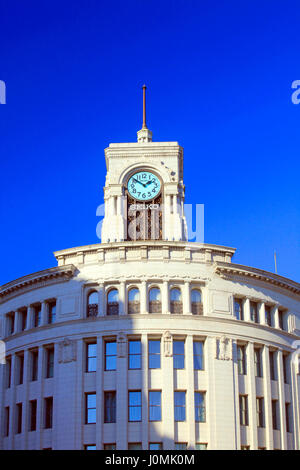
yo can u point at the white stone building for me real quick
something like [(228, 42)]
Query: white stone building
[(147, 340)]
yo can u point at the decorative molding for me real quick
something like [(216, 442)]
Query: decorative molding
[(224, 348), (67, 350), (233, 271), (37, 280), (122, 345), (168, 344)]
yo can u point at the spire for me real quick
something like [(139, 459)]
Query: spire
[(144, 135)]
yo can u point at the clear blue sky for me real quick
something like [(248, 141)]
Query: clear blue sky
[(219, 76)]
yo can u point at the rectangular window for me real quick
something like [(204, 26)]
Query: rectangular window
[(178, 354), (268, 315), (10, 323), (155, 446), (109, 446), (154, 353), (90, 408), (286, 368), (18, 418), (258, 362), (243, 410), (241, 360), (275, 414), (198, 355), (51, 312), (288, 417), (238, 309), (90, 447), (134, 354), (91, 357), (201, 446), (134, 446), (135, 405), (110, 407), (20, 368), (8, 372), (260, 412), (23, 319), (254, 312), (110, 355), (200, 414), (32, 415), (6, 421), (155, 405), (180, 446), (37, 315), (49, 362), (280, 319), (34, 365), (273, 368), (179, 406), (48, 412)]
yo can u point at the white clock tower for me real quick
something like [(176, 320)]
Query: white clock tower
[(144, 190)]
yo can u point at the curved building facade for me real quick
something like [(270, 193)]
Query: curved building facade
[(146, 340)]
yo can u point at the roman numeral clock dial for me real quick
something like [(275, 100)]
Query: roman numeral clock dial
[(143, 186)]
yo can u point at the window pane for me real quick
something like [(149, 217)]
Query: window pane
[(178, 354), (179, 401), (198, 355), (135, 406), (134, 295), (113, 296), (201, 446), (93, 298), (196, 295), (155, 446), (154, 354), (135, 446), (110, 355), (154, 406), (180, 446), (154, 294), (175, 295)]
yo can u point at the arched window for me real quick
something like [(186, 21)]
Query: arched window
[(133, 300), (113, 302), (92, 304), (176, 300), (196, 300), (154, 300)]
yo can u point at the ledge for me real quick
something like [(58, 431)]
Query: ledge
[(60, 273), (231, 270), (143, 249)]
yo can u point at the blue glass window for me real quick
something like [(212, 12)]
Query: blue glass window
[(179, 406), (110, 355), (155, 406), (154, 353), (178, 354), (135, 406), (134, 354)]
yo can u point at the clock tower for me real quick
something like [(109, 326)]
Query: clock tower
[(144, 190)]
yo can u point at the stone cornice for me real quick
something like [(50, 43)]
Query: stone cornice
[(144, 247), (231, 270), (35, 280)]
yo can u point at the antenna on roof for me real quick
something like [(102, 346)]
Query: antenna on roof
[(275, 261)]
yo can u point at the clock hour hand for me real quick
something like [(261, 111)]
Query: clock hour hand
[(148, 182), (137, 181)]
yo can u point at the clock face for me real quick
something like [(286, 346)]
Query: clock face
[(143, 186)]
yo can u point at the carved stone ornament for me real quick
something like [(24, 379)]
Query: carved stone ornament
[(224, 348), (167, 340), (122, 345), (67, 350)]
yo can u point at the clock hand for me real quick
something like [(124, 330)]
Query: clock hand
[(147, 184), (137, 181)]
